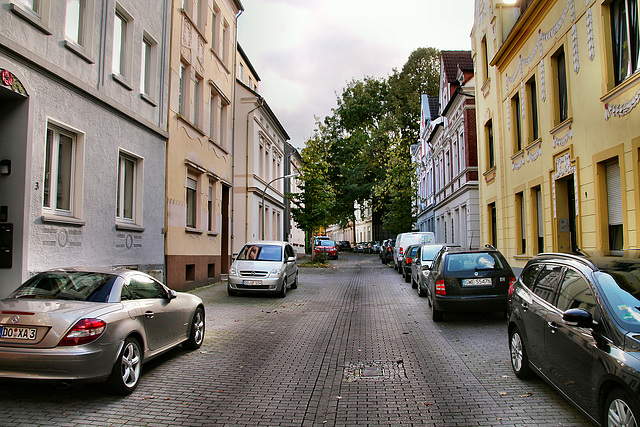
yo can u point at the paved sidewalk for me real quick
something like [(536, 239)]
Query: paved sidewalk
[(353, 345)]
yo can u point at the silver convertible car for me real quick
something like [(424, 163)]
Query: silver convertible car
[(94, 325)]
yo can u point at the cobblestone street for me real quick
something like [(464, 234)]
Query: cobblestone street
[(353, 345)]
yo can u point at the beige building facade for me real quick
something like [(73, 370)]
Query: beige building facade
[(199, 178), (558, 123)]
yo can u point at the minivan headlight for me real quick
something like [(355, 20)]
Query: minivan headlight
[(232, 271), (275, 273)]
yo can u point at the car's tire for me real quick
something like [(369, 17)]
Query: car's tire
[(407, 277), (196, 331), (126, 372), (231, 292), (436, 315), (422, 293), (283, 292), (621, 409), (518, 355), (414, 285), (294, 285)]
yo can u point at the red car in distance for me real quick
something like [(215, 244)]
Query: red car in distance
[(326, 247)]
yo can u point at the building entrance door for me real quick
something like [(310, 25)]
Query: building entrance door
[(566, 229)]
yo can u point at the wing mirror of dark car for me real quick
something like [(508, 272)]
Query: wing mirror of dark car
[(578, 317)]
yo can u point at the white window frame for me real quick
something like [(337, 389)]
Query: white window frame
[(122, 45), (148, 66), (191, 184), (136, 188), (51, 168), (35, 12)]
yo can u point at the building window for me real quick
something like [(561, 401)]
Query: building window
[(539, 223), (493, 225), (562, 96), (122, 43), (532, 107), (191, 198), (34, 5), (241, 72), (521, 237), (516, 109), (225, 38), (197, 101), (614, 207), (223, 119), (485, 59), (211, 207), (63, 157), (182, 90), (128, 188), (148, 66), (76, 21), (625, 37), (491, 160), (198, 14)]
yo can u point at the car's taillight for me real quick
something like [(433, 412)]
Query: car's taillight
[(512, 282), (85, 331), (409, 260), (401, 251), (440, 289)]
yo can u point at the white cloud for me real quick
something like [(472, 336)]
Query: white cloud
[(305, 51)]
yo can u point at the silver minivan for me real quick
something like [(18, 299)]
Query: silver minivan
[(264, 266)]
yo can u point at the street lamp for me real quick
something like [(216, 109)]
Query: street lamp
[(291, 175)]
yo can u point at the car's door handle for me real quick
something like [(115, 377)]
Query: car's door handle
[(553, 326), (149, 314)]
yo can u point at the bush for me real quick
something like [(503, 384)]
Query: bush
[(321, 258)]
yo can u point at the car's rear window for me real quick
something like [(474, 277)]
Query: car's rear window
[(473, 261), (429, 252), (74, 286), (259, 252)]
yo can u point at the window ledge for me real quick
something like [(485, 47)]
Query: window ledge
[(214, 143), (629, 83), (561, 126), (148, 100), (59, 219), (128, 227), (220, 60), (191, 125), (193, 230), (212, 233), (78, 50), (31, 17), (120, 79)]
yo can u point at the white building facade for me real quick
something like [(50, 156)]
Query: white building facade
[(83, 98)]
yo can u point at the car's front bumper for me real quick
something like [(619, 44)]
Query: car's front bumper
[(264, 284), (92, 362)]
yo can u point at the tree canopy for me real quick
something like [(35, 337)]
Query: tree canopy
[(360, 154)]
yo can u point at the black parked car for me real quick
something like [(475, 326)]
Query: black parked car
[(575, 321), (386, 254), (344, 245), (468, 280), (407, 261)]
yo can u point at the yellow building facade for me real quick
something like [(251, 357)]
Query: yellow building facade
[(558, 126), (199, 179)]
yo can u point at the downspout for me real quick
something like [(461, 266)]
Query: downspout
[(259, 103), (233, 134)]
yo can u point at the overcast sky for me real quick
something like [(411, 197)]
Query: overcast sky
[(306, 51)]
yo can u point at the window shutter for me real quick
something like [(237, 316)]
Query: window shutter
[(614, 193), (192, 184)]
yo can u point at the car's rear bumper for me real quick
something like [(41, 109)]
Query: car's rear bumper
[(470, 303), (84, 362)]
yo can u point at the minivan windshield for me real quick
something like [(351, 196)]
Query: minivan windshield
[(260, 252)]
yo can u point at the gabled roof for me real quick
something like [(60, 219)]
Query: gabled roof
[(454, 59)]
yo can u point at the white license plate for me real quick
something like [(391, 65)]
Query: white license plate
[(13, 333), (252, 282), (476, 282)]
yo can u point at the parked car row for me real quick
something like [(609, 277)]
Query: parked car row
[(572, 320)]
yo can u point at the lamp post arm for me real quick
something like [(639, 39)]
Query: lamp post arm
[(266, 187)]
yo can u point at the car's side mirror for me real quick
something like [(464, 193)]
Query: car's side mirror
[(578, 317), (291, 259), (172, 294)]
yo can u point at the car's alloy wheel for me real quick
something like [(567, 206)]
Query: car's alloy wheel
[(414, 285), (422, 293), (622, 410), (196, 333), (294, 285), (126, 371), (283, 292), (519, 358)]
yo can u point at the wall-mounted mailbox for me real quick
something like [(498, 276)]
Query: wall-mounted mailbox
[(6, 245)]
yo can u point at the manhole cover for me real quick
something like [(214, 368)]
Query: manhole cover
[(381, 371)]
